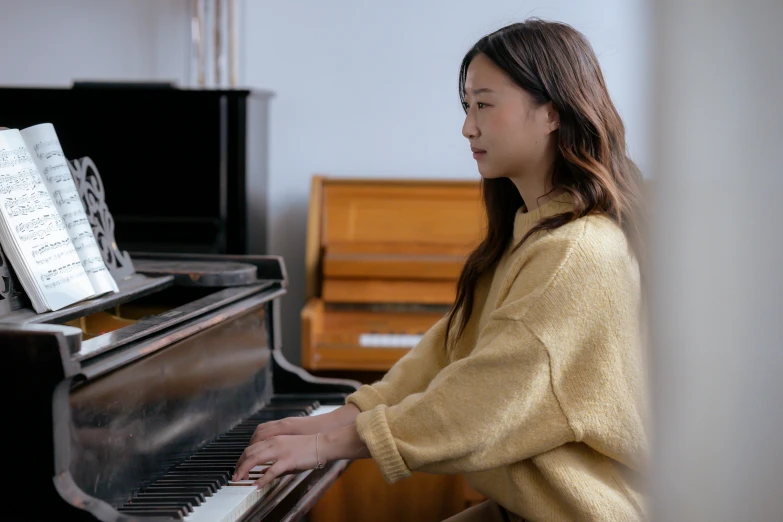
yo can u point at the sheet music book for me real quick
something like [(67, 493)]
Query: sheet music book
[(44, 229)]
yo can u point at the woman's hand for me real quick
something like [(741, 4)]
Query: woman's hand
[(292, 453), (287, 453), (305, 425)]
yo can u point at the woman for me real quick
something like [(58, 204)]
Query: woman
[(533, 385)]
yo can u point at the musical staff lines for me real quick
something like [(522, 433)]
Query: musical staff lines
[(28, 203), (66, 196), (40, 250), (14, 156), (59, 173), (62, 275), (26, 179), (48, 149), (39, 228)]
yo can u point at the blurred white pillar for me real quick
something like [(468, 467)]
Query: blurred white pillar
[(718, 261)]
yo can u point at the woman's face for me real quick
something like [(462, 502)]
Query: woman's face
[(509, 134)]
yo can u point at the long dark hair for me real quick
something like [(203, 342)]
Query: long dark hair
[(554, 62)]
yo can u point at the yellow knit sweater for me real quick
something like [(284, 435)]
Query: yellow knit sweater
[(542, 401)]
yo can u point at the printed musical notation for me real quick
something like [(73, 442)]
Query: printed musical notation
[(93, 264), (62, 275), (39, 222), (66, 196), (78, 222), (53, 257), (48, 149), (39, 228), (27, 204), (26, 179), (57, 173), (13, 157), (39, 250)]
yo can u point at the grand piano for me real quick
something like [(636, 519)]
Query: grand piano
[(136, 405)]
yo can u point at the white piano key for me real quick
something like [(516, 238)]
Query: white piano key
[(228, 504)]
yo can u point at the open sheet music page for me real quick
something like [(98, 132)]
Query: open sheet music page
[(47, 153), (33, 233)]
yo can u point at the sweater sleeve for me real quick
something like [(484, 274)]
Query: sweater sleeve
[(410, 374), (495, 407)]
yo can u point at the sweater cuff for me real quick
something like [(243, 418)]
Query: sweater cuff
[(365, 398), (374, 431)]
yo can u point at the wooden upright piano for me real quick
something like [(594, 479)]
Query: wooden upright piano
[(382, 262), (136, 405)]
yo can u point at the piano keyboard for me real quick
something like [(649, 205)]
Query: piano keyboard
[(200, 490), (388, 340)]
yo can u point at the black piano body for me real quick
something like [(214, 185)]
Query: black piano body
[(108, 397)]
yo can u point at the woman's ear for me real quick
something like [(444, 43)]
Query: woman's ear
[(552, 117)]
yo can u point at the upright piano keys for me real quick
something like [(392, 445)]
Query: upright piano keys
[(137, 404)]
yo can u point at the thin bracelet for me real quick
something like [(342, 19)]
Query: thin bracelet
[(319, 465)]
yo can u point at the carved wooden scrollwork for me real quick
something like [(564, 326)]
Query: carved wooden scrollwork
[(90, 186), (12, 296)]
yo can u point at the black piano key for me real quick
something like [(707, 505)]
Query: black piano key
[(276, 413), (307, 407), (218, 449), (197, 466), (195, 500), (225, 458), (331, 398), (185, 489), (217, 453), (223, 455), (182, 490), (296, 398), (212, 486), (195, 478), (220, 479), (225, 468), (211, 474), (153, 512), (183, 507)]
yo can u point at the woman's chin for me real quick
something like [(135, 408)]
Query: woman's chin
[(488, 173)]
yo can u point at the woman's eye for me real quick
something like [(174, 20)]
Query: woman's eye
[(466, 105)]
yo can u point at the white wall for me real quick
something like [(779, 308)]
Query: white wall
[(52, 43), (362, 88), (370, 89)]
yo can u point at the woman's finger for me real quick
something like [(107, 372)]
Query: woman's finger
[(266, 431), (247, 455), (274, 471), (252, 457)]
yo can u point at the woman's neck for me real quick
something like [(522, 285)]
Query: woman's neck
[(535, 184), (535, 191)]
